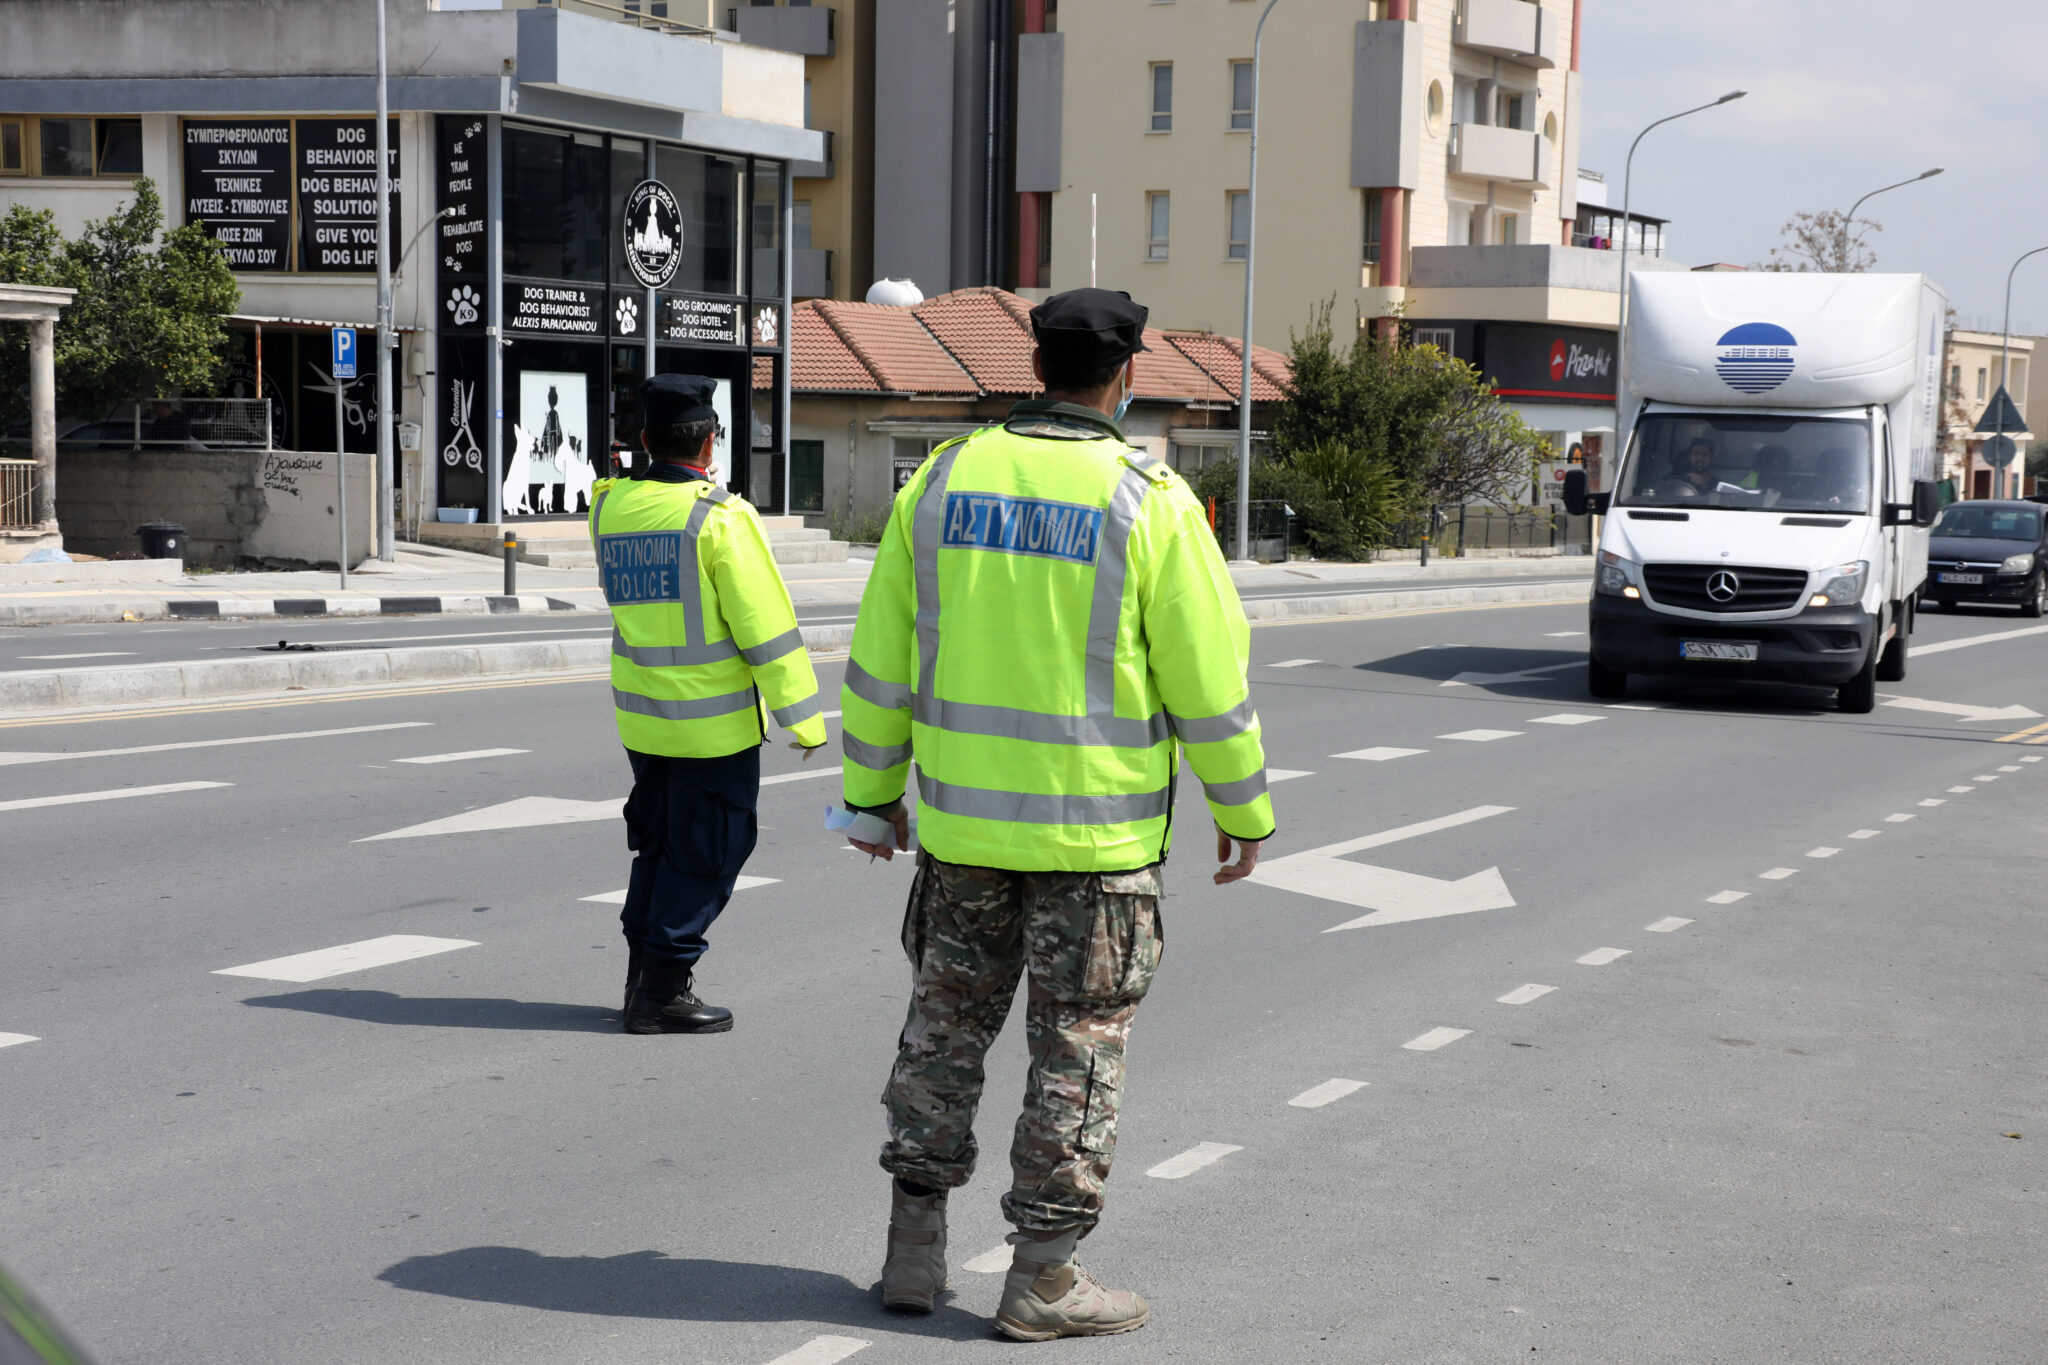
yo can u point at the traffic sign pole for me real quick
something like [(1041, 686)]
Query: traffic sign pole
[(341, 483)]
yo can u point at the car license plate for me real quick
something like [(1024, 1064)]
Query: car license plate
[(1959, 577), (1728, 650)]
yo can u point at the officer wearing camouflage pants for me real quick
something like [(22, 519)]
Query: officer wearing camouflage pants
[(1048, 626)]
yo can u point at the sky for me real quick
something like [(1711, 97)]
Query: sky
[(1844, 96)]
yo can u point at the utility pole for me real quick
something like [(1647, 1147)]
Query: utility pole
[(386, 482), (2004, 364), (1244, 377), (1842, 235)]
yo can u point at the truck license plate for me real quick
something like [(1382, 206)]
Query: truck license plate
[(1728, 650), (1960, 577)]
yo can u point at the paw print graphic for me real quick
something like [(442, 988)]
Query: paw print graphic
[(462, 302), (627, 315)]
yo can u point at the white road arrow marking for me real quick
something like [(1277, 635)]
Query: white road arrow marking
[(524, 813), (1394, 897), (1963, 710), (1522, 675)]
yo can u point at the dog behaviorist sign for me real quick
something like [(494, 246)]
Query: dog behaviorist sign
[(653, 231)]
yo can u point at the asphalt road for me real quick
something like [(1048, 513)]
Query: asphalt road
[(1774, 1128), (112, 644)]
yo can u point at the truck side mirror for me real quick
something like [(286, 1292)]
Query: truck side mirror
[(1575, 492), (1926, 502)]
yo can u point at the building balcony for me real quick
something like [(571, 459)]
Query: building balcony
[(1520, 30), (817, 170), (807, 30), (1515, 155), (1524, 267)]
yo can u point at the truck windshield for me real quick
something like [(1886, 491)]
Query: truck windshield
[(1785, 464)]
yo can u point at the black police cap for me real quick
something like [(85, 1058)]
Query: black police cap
[(669, 399), (1090, 326)]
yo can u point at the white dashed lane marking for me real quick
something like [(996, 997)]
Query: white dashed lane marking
[(1435, 1038), (1822, 852), (991, 1262), (802, 775), (349, 957), (1670, 924), (1316, 1096), (1565, 718), (2031, 758), (1777, 874), (459, 757), (1600, 957), (1727, 897), (2010, 768), (1562, 634), (1864, 833), (1897, 819), (1192, 1160), (98, 654), (1934, 801), (1985, 777), (742, 883), (821, 1351), (1522, 995), (10, 1039), (1481, 736), (7, 759), (1958, 791), (1294, 663), (118, 793), (1381, 754), (1284, 774)]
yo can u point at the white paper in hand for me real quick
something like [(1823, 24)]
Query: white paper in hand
[(869, 829)]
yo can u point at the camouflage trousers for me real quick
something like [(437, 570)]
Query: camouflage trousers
[(1088, 944)]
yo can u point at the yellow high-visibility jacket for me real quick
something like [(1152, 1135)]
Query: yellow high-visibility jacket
[(1048, 614), (703, 634)]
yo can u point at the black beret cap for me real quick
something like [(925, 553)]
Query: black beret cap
[(1100, 326), (668, 399)]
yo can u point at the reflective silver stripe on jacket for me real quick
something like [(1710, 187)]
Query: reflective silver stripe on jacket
[(768, 651), (879, 757), (1215, 729), (682, 708), (1033, 808), (1242, 792), (671, 656), (797, 712), (693, 596), (1100, 725), (875, 691)]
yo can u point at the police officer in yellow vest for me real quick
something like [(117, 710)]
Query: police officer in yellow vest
[(704, 640), (1048, 628)]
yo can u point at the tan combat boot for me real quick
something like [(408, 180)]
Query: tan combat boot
[(916, 1268), (1047, 1294)]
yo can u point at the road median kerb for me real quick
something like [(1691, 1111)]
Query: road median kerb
[(83, 688)]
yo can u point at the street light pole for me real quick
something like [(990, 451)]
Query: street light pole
[(387, 550), (2005, 351), (1842, 234), (1621, 323), (1244, 378)]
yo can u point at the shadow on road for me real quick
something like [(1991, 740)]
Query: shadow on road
[(651, 1284), (1448, 661), (382, 1007)]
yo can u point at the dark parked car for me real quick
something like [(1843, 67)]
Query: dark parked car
[(1989, 550)]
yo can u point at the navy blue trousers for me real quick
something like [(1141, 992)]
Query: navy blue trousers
[(690, 823)]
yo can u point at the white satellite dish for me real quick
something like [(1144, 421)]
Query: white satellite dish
[(895, 293)]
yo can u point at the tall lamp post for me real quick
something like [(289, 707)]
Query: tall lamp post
[(1842, 237), (387, 550), (1244, 380), (2005, 351), (1621, 325)]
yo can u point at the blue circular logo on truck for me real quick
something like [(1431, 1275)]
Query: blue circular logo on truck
[(1755, 357)]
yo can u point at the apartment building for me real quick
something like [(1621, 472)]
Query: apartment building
[(1972, 360)]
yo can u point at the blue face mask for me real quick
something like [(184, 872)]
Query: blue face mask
[(1123, 404)]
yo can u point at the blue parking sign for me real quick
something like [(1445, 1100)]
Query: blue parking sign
[(344, 353)]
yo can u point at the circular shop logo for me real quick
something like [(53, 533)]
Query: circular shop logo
[(1755, 357), (1557, 361), (654, 234), (1723, 585)]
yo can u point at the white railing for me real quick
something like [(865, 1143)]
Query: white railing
[(17, 494)]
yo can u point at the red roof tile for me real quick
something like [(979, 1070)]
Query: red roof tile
[(988, 331), (1164, 372), (896, 349), (1220, 358), (820, 360)]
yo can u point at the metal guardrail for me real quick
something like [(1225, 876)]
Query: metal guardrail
[(17, 494), (633, 15), (1460, 530)]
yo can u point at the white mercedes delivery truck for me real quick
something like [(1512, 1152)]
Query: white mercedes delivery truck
[(1767, 517)]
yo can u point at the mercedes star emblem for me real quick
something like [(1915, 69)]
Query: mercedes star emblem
[(1722, 586)]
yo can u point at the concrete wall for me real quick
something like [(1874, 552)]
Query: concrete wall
[(914, 142), (238, 507)]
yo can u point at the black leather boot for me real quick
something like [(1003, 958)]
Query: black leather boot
[(636, 963), (662, 1003)]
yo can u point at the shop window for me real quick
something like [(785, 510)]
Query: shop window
[(66, 146), (807, 476), (118, 146), (708, 188), (628, 168), (556, 211), (13, 147)]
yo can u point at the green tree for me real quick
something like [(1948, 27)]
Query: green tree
[(147, 317)]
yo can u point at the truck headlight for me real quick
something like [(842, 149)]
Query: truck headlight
[(2018, 563), (1841, 585), (1616, 576)]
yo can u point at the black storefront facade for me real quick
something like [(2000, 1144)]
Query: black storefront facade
[(571, 263)]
